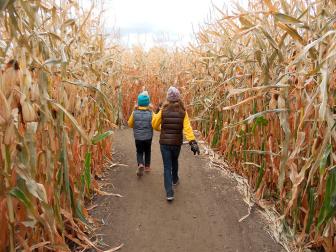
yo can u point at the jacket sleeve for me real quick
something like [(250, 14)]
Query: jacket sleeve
[(131, 121), (156, 121), (187, 129)]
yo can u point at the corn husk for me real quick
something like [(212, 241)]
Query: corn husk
[(34, 93), (10, 137), (10, 80), (5, 113)]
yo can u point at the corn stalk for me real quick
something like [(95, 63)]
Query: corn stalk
[(264, 90), (55, 122)]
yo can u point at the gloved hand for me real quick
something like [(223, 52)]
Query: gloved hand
[(194, 147)]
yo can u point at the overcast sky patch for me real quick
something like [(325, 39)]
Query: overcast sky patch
[(147, 22)]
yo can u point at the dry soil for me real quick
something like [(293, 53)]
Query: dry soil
[(202, 218)]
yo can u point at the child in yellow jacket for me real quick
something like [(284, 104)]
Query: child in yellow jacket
[(172, 120)]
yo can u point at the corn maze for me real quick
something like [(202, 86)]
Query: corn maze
[(260, 84)]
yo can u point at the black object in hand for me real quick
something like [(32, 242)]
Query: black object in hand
[(194, 147)]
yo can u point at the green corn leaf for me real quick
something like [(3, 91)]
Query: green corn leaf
[(328, 208), (65, 164), (250, 118), (79, 213), (87, 171), (97, 139), (20, 195), (311, 202), (324, 160), (262, 167)]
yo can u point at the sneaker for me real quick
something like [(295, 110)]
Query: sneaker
[(147, 169), (170, 198), (176, 182), (140, 170)]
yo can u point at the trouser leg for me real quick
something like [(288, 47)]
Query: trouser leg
[(148, 147), (140, 152), (167, 166), (175, 166)]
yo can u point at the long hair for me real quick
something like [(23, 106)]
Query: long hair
[(176, 106)]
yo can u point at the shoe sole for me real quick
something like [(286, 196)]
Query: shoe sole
[(140, 171), (170, 198), (177, 183)]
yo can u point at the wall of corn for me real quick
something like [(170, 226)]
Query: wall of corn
[(56, 117), (264, 95), (153, 70)]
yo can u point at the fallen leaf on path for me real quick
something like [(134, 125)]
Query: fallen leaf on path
[(92, 207), (113, 165), (248, 214), (108, 194)]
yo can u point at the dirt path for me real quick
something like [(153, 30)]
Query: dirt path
[(203, 217)]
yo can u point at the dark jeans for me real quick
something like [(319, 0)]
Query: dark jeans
[(143, 149), (170, 154)]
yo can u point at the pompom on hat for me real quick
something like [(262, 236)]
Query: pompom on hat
[(143, 99), (173, 94)]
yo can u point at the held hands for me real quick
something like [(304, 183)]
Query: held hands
[(194, 147)]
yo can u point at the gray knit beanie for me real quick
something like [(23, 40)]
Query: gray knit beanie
[(173, 94)]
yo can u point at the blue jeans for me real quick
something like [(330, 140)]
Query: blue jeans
[(170, 154)]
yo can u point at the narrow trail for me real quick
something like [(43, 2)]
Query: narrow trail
[(203, 217)]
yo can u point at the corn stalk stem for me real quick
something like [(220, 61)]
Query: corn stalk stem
[(10, 207)]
